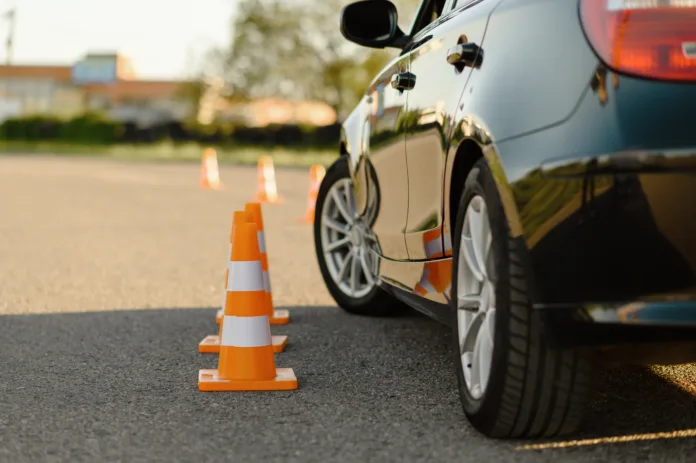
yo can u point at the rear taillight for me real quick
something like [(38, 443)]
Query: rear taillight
[(646, 38)]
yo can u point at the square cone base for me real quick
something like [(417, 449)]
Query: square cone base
[(218, 316), (211, 344), (209, 381), (264, 199), (280, 317)]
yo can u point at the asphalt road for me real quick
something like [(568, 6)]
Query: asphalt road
[(110, 274)]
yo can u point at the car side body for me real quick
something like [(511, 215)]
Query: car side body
[(595, 169), (523, 171)]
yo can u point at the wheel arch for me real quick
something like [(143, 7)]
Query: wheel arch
[(465, 156), (463, 153)]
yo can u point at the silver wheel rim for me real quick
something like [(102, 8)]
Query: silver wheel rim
[(476, 298), (347, 241)]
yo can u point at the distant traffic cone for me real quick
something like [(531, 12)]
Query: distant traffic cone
[(246, 361), (266, 188), (316, 175), (210, 176), (276, 317), (211, 344)]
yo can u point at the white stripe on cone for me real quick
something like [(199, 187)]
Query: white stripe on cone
[(266, 282), (433, 247), (448, 242), (427, 286), (245, 276), (245, 331), (262, 241)]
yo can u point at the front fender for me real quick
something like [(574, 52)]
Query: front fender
[(353, 136)]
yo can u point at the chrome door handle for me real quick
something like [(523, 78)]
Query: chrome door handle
[(403, 81), (465, 54)]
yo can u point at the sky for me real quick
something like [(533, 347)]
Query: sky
[(162, 38)]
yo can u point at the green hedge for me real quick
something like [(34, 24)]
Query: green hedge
[(93, 129), (88, 128)]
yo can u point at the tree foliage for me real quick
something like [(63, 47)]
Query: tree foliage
[(293, 49)]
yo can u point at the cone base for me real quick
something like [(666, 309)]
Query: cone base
[(265, 200), (212, 186), (218, 316), (280, 317), (209, 381), (211, 344)]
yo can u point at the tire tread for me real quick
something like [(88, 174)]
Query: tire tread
[(541, 389), (545, 388)]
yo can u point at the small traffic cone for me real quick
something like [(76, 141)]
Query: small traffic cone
[(266, 188), (276, 317), (221, 310), (210, 176), (246, 361), (211, 343), (316, 175)]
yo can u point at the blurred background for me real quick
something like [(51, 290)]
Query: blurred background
[(155, 78)]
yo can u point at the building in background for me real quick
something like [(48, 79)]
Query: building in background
[(107, 83), (104, 82)]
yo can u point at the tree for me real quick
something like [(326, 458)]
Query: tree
[(294, 49)]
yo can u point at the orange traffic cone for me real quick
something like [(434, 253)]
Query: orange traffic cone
[(211, 343), (246, 360), (276, 317), (221, 310), (210, 176), (316, 175), (266, 188)]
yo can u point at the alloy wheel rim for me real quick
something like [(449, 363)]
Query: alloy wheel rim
[(347, 241), (476, 298)]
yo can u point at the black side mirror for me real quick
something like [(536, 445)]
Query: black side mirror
[(372, 23)]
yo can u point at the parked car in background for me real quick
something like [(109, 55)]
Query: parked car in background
[(525, 172)]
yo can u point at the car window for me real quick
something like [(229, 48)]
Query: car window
[(450, 5), (454, 4), (429, 12), (408, 11)]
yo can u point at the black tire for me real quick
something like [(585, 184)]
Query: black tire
[(534, 389), (377, 302)]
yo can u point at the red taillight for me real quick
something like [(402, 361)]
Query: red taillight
[(646, 38)]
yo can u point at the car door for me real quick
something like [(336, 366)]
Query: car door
[(431, 106), (384, 148)]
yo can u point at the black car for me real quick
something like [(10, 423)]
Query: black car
[(524, 171)]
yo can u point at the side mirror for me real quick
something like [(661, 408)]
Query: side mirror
[(371, 23)]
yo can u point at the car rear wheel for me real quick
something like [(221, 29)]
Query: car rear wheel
[(512, 383), (344, 245)]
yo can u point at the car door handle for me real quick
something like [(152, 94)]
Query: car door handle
[(466, 54), (403, 81)]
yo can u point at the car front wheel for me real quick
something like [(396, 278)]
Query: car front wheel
[(345, 244), (512, 383)]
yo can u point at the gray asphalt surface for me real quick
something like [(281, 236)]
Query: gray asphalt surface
[(110, 275)]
